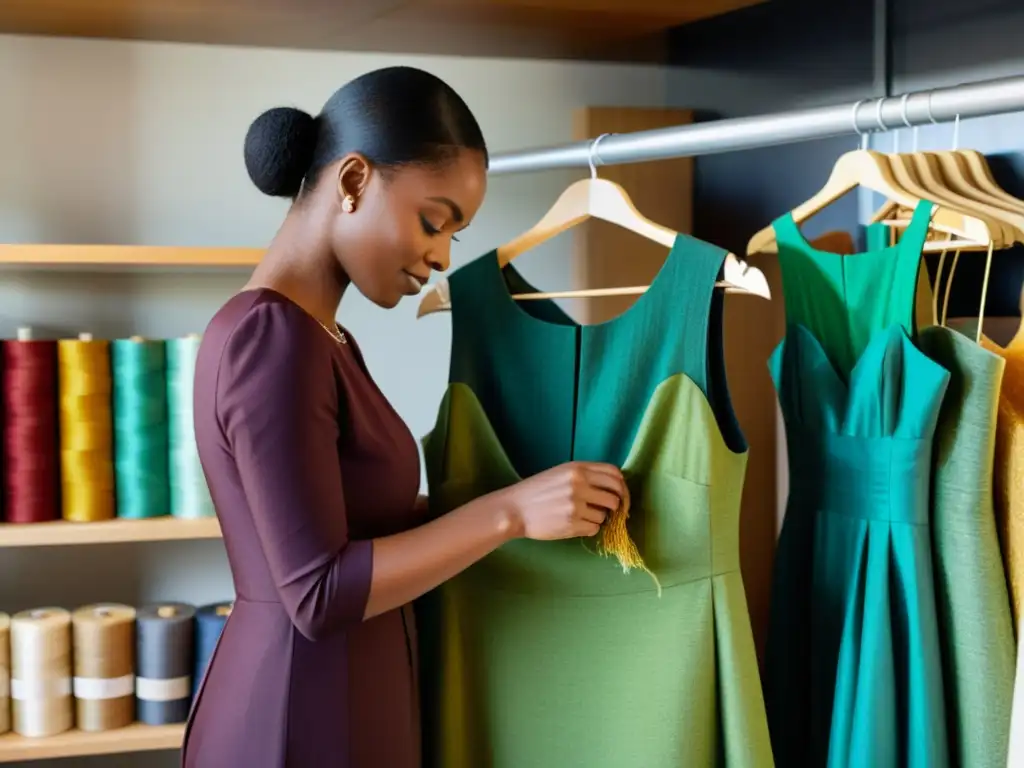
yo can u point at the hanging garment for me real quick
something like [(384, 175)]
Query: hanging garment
[(853, 675), (975, 626), (1009, 503), (1009, 471), (976, 629), (879, 236), (546, 654)]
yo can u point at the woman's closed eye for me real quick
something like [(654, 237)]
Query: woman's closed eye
[(430, 229)]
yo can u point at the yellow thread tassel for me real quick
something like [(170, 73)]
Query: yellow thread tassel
[(614, 541)]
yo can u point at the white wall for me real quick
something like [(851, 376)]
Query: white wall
[(113, 142)]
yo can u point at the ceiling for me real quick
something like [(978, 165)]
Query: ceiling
[(591, 29)]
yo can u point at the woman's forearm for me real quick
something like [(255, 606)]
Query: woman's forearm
[(409, 564)]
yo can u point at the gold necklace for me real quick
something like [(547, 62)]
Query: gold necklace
[(337, 335)]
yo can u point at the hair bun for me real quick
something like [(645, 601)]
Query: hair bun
[(279, 148)]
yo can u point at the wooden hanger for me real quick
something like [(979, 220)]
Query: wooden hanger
[(920, 174), (600, 199), (918, 177), (871, 170), (974, 166), (982, 175)]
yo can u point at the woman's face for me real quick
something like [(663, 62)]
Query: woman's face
[(403, 222)]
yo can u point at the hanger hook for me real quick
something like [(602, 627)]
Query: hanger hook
[(928, 107), (878, 116), (906, 120), (956, 121), (856, 128), (594, 159)]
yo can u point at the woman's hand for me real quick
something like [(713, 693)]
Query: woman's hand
[(567, 501)]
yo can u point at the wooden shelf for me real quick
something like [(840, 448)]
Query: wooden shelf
[(532, 28), (133, 738), (62, 532), (127, 256)]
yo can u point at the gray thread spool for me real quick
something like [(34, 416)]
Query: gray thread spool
[(163, 685)]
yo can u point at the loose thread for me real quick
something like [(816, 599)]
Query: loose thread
[(614, 541)]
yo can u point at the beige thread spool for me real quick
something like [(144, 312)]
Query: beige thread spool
[(41, 672), (5, 673), (104, 654)]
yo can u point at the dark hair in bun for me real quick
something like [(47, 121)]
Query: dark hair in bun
[(394, 116)]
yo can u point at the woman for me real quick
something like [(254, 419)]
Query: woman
[(313, 474)]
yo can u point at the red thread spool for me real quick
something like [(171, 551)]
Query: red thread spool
[(31, 472)]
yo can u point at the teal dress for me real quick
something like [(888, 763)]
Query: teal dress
[(975, 621), (547, 654), (853, 673)]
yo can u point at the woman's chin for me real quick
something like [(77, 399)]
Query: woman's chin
[(388, 300)]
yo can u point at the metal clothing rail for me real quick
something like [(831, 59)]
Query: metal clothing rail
[(989, 97)]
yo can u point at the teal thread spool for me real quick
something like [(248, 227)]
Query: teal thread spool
[(190, 496), (140, 428)]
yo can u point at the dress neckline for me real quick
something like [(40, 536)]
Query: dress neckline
[(790, 234), (511, 307)]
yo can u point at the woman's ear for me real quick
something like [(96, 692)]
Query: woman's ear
[(353, 178)]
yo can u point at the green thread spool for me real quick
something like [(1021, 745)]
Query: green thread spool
[(140, 428), (190, 496)]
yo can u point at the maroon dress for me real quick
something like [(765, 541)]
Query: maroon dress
[(307, 462)]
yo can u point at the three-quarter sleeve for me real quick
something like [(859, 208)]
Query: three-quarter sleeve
[(278, 404)]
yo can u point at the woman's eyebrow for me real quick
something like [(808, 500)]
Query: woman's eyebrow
[(456, 211)]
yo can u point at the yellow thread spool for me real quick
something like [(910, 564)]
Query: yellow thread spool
[(86, 429), (104, 654)]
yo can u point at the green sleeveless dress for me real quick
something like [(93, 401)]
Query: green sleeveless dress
[(853, 674), (545, 654)]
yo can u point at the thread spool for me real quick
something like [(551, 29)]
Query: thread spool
[(190, 495), (210, 621), (140, 427), (31, 471), (86, 429), (41, 672), (164, 655), (5, 673), (104, 661)]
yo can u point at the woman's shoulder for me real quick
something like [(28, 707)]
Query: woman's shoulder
[(260, 334), (264, 319)]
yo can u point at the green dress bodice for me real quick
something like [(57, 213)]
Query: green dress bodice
[(853, 670), (545, 654)]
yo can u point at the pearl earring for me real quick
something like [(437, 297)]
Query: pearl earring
[(348, 204)]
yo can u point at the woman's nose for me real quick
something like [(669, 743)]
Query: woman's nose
[(440, 258)]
